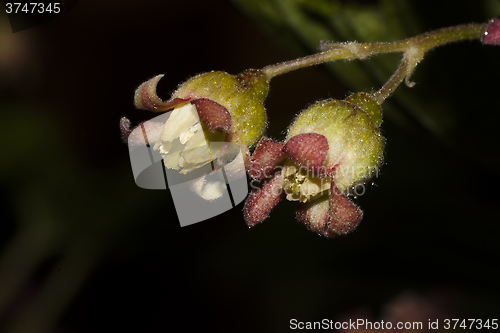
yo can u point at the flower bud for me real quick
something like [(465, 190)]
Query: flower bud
[(355, 145), (491, 35), (331, 147), (214, 106), (241, 95)]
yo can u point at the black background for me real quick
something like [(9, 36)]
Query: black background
[(85, 250)]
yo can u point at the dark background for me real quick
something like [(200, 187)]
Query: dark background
[(83, 249)]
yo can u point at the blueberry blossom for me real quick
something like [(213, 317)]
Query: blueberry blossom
[(214, 106), (330, 148)]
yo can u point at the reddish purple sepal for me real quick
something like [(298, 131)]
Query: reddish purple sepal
[(308, 150), (125, 128), (262, 200), (492, 33), (146, 98), (344, 215), (265, 158), (329, 217), (315, 218), (215, 116), (150, 132)]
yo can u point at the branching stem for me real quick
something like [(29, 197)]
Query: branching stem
[(413, 48)]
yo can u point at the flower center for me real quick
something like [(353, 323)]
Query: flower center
[(184, 142), (300, 184)]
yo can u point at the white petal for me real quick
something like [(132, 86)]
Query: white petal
[(179, 121)]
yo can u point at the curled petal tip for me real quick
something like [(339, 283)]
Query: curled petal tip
[(145, 97), (215, 116), (262, 200), (125, 128), (145, 133), (491, 35), (267, 155), (344, 215), (308, 150)]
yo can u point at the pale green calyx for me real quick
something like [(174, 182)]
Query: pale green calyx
[(355, 144), (369, 105), (242, 95)]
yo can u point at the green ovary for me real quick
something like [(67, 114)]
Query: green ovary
[(355, 143), (243, 101)]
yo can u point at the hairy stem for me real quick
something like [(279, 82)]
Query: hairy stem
[(349, 51), (410, 60)]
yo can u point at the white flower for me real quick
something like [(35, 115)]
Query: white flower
[(185, 141)]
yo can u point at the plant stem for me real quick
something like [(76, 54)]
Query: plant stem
[(391, 85), (353, 50)]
